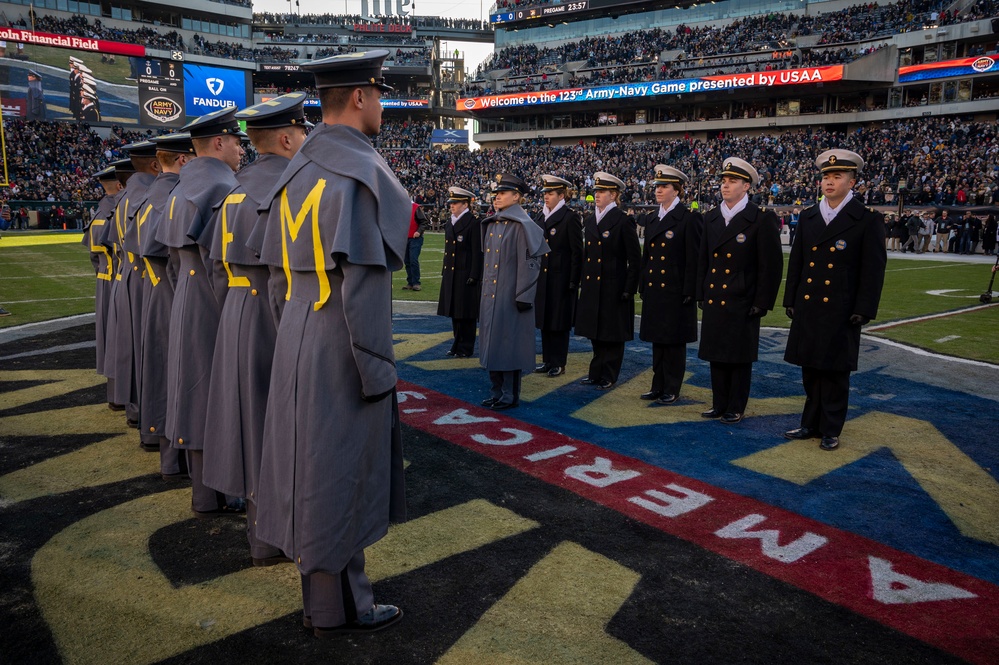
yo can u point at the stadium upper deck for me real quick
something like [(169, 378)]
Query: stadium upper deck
[(814, 63)]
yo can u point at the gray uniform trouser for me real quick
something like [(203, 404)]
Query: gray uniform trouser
[(505, 386), (331, 600)]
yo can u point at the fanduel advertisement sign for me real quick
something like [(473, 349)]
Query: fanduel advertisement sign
[(208, 89), (656, 88)]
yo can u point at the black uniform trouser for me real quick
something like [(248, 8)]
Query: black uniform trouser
[(607, 360), (464, 336), (505, 386), (555, 347), (669, 362), (333, 599), (730, 383), (827, 395)]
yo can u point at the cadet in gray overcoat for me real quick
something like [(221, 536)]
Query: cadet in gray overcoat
[(204, 182), (172, 152), (244, 348), (128, 302), (331, 473), (834, 280), (100, 257), (512, 247), (111, 239)]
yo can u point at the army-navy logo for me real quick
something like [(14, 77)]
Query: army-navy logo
[(461, 238), (840, 244), (741, 238), (552, 232), (983, 64), (606, 234), (669, 234), (163, 109)]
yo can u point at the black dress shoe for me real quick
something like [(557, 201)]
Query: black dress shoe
[(651, 395), (116, 407), (462, 355), (542, 369), (731, 418), (605, 385), (489, 401), (149, 447), (450, 353), (218, 512), (174, 476), (556, 371), (667, 399), (588, 381), (711, 413), (134, 424), (502, 406), (801, 433), (829, 443), (378, 617), (270, 561)]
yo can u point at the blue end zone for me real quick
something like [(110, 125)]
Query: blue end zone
[(871, 493)]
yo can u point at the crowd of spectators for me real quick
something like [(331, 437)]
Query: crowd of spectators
[(944, 161), (53, 161), (407, 57)]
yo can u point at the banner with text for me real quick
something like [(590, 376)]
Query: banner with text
[(946, 68), (656, 88), (19, 36)]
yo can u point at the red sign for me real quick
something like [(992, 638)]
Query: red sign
[(911, 594), (607, 93), (381, 27), (67, 41)]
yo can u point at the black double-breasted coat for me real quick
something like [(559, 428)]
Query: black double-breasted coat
[(555, 301), (462, 260), (740, 267), (612, 258), (669, 274), (835, 271)]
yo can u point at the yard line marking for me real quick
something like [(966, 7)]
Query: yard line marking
[(931, 354), (948, 338), (21, 302), (945, 265), (84, 274), (928, 317)]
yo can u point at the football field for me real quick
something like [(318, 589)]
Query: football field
[(582, 527)]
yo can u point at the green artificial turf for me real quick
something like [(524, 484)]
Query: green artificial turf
[(57, 281)]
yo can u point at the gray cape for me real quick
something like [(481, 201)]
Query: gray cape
[(512, 247), (157, 301), (331, 468), (241, 369)]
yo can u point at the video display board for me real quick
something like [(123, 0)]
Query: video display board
[(60, 77), (983, 64), (208, 89), (655, 88)]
